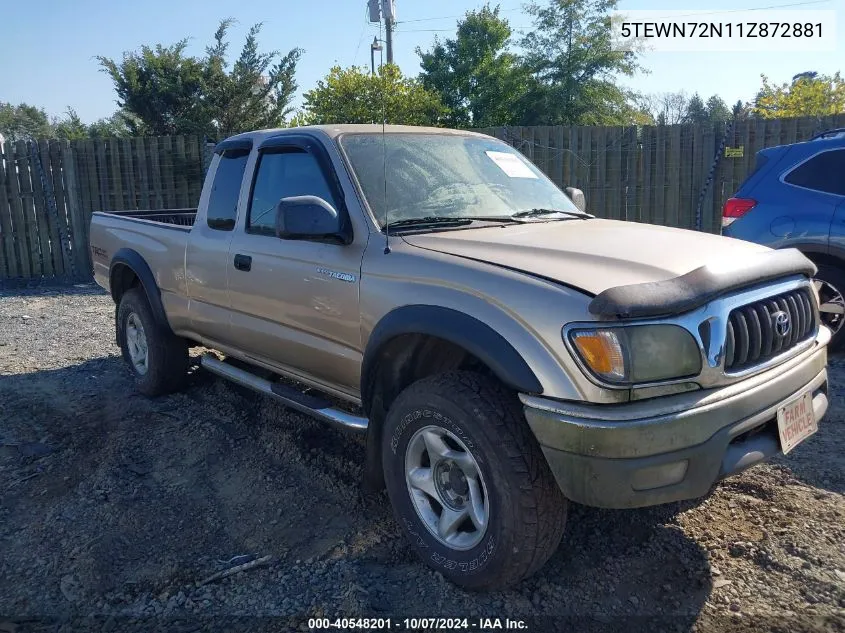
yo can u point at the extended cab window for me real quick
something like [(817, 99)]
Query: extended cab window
[(824, 172), (223, 201), (281, 174)]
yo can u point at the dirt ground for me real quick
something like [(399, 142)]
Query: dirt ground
[(115, 508)]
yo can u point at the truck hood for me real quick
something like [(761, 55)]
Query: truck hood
[(592, 255)]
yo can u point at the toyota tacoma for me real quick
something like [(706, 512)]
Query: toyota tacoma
[(504, 351)]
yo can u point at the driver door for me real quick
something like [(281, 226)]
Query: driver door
[(295, 302)]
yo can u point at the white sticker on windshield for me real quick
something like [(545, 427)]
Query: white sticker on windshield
[(511, 164)]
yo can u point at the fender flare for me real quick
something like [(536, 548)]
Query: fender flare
[(138, 265), (476, 337)]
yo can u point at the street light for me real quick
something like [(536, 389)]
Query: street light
[(375, 46)]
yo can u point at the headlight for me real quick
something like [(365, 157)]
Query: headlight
[(638, 354)]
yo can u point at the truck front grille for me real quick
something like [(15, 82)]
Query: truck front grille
[(758, 332)]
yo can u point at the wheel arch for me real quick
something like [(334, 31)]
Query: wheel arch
[(414, 341), (128, 269), (832, 256), (457, 328)]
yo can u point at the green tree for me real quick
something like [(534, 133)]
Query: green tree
[(300, 118), (809, 94), (255, 93), (353, 95), (164, 91), (161, 88), (114, 126), (24, 122), (478, 79), (740, 111), (696, 111), (71, 127), (717, 110), (575, 71)]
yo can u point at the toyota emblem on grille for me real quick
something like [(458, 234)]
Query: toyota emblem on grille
[(780, 321)]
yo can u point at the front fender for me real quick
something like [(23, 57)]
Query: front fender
[(476, 337)]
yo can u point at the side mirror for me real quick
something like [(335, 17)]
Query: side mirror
[(577, 197), (306, 217)]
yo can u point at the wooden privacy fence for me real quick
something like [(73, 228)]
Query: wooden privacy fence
[(49, 188), (677, 175)]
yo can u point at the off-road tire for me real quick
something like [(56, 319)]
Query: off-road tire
[(527, 510), (167, 365), (834, 276)]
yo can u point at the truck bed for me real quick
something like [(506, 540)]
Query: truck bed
[(178, 217), (158, 237)]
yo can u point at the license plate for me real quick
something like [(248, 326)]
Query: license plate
[(796, 422)]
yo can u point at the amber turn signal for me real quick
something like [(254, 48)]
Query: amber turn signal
[(602, 352)]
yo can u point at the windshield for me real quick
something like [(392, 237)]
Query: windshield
[(443, 175)]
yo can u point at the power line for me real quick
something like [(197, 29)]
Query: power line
[(360, 38), (449, 17), (773, 6), (453, 29), (764, 8)]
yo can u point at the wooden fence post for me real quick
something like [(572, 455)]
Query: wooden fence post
[(41, 200), (56, 213), (77, 218), (8, 258), (27, 233)]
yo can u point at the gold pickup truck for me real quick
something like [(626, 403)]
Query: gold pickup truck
[(503, 350)]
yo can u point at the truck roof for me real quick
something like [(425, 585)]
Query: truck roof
[(333, 131)]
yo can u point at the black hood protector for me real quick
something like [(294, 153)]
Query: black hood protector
[(697, 287)]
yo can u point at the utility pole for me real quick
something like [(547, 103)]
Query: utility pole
[(388, 27), (389, 12), (384, 10)]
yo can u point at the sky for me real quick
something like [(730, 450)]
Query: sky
[(49, 48)]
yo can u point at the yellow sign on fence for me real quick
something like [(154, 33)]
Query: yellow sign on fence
[(735, 152)]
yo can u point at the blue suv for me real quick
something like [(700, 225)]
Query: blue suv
[(795, 198)]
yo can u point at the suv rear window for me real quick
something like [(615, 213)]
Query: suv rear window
[(823, 172)]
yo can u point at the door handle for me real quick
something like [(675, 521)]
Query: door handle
[(243, 262)]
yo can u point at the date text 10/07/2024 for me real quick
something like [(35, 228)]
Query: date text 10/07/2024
[(413, 624)]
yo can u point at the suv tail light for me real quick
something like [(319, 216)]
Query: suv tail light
[(735, 208)]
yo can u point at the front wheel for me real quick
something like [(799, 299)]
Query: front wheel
[(468, 481)]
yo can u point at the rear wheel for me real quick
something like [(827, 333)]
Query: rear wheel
[(830, 284), (468, 481), (158, 359)]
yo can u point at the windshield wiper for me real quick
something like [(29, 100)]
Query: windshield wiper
[(532, 213), (429, 220), (447, 220)]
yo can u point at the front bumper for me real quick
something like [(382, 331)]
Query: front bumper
[(674, 447)]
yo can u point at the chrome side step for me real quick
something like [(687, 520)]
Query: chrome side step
[(309, 405)]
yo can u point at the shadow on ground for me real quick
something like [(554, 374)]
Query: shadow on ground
[(111, 499)]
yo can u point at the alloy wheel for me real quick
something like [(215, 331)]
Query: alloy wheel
[(831, 305), (136, 343), (447, 488)]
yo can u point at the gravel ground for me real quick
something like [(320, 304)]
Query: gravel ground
[(114, 509)]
